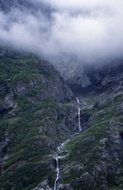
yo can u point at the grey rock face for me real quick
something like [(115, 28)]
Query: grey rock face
[(64, 187), (7, 103), (52, 86), (31, 97), (83, 80), (55, 88), (43, 186), (3, 149), (4, 143), (98, 77)]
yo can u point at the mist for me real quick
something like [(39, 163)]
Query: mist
[(83, 29)]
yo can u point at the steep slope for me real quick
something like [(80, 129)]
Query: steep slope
[(100, 76), (35, 117), (94, 159), (38, 113)]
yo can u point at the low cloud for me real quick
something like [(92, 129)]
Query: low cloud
[(79, 28)]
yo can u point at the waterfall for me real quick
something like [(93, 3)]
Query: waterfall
[(79, 111), (60, 148), (77, 99), (79, 121), (57, 158), (57, 170)]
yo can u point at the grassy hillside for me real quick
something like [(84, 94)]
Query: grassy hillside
[(95, 158), (37, 114), (33, 121)]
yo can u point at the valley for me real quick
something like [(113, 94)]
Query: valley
[(51, 139), (61, 95)]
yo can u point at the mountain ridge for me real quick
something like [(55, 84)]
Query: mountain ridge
[(60, 129), (38, 112), (33, 106)]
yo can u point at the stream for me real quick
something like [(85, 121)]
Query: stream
[(61, 148), (57, 171), (79, 111)]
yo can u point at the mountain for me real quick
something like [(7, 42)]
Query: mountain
[(35, 116), (61, 121), (94, 158), (38, 112), (82, 77)]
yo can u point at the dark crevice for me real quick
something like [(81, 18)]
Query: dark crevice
[(121, 136)]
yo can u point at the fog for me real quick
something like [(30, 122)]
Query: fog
[(85, 29)]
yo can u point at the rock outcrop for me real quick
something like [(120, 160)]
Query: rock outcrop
[(36, 116), (97, 77), (96, 155)]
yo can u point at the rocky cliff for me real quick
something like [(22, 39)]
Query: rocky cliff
[(99, 76), (94, 158), (55, 133), (35, 117), (38, 112)]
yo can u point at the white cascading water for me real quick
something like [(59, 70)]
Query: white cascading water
[(61, 148), (79, 121), (77, 99), (57, 170), (57, 158), (79, 111)]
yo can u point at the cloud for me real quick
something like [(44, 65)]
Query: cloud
[(88, 30)]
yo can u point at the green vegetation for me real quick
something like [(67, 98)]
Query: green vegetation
[(31, 132), (86, 149), (30, 129), (26, 176), (3, 127), (24, 69)]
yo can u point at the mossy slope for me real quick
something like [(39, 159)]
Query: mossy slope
[(95, 158), (32, 120)]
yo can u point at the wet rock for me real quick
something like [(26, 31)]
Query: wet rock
[(43, 186), (7, 103), (87, 179), (64, 187), (4, 143), (103, 187)]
